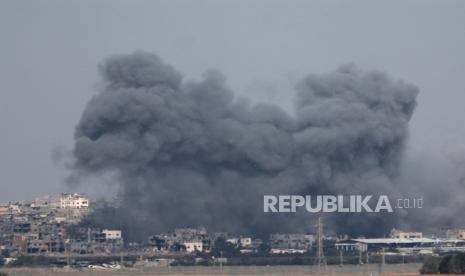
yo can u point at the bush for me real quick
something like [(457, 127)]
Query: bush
[(453, 264), (430, 265), (183, 261), (222, 248), (297, 261), (449, 264), (32, 261)]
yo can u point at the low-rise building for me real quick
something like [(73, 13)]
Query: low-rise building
[(190, 233), (193, 246), (291, 241), (458, 234), (75, 201), (244, 242), (287, 251), (112, 234), (399, 234)]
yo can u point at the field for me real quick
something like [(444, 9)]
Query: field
[(373, 269)]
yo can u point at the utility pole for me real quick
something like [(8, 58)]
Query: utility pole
[(221, 260), (383, 261), (360, 255), (67, 254), (320, 254), (341, 258), (384, 258)]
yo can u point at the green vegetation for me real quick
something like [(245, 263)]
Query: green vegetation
[(449, 264), (184, 261), (31, 261), (431, 265), (263, 249), (222, 248), (453, 264)]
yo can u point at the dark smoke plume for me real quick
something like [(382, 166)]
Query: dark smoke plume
[(190, 153)]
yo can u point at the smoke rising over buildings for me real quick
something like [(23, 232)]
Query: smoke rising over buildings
[(191, 153)]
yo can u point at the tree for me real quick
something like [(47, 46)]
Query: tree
[(223, 248), (264, 249), (431, 265), (454, 264)]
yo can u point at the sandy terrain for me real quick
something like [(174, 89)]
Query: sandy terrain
[(398, 269)]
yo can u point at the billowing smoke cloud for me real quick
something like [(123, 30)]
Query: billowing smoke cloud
[(191, 153), (435, 170)]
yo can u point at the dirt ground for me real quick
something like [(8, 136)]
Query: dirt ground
[(372, 270)]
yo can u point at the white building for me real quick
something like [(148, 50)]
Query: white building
[(244, 242), (193, 246), (74, 201), (398, 234), (112, 234)]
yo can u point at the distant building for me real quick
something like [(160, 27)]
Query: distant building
[(47, 225), (182, 238), (4, 210), (194, 246), (287, 251), (363, 244), (112, 234), (188, 233), (398, 234), (224, 235), (74, 201), (351, 245), (290, 241), (244, 242), (458, 234)]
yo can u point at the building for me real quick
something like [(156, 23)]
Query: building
[(350, 245), (49, 225), (458, 234), (194, 246), (112, 234), (287, 251), (73, 201), (4, 210), (190, 233), (398, 234), (181, 239), (400, 244), (244, 242), (291, 241)]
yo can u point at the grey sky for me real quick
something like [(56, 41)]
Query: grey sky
[(49, 51)]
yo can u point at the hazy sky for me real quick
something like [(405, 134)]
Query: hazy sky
[(49, 51)]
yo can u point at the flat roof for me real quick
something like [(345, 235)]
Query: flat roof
[(396, 241)]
